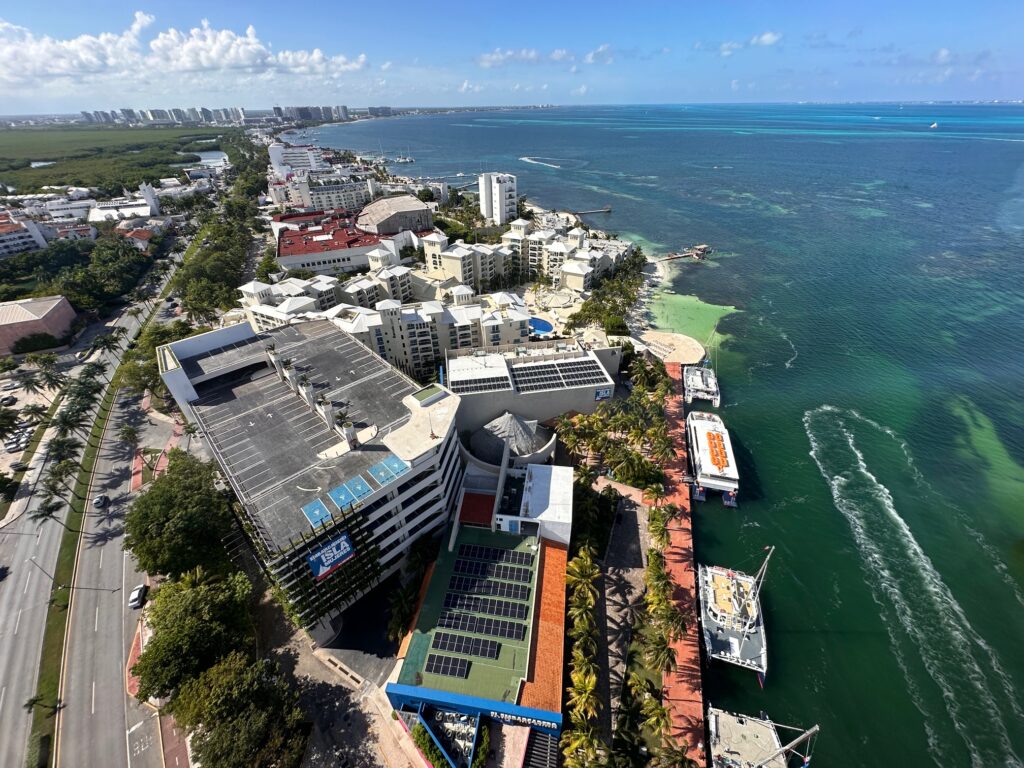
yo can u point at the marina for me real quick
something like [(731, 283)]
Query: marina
[(731, 618), (711, 454)]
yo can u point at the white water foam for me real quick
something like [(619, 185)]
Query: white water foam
[(906, 585), (534, 161), (789, 363)]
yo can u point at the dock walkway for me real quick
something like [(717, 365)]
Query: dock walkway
[(682, 688)]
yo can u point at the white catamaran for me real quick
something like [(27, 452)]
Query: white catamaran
[(714, 465), (731, 619), (739, 741)]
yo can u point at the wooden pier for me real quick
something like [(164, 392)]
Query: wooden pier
[(606, 209)]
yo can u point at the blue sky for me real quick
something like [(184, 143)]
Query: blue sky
[(65, 56)]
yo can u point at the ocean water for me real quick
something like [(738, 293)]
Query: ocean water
[(872, 375)]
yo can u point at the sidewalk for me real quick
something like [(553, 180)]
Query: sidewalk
[(682, 688), (173, 745)]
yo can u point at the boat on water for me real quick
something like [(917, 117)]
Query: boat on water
[(404, 160), (730, 616), (740, 741), (700, 382), (714, 465)]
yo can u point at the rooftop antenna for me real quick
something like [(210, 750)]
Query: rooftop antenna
[(431, 421)]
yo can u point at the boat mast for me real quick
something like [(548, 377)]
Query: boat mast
[(787, 748), (758, 582)]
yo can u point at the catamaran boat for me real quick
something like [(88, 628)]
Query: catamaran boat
[(730, 616), (739, 741), (700, 382), (714, 465)]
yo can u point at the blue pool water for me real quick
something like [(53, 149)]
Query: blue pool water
[(541, 326)]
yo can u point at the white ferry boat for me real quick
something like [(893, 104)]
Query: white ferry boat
[(730, 616), (714, 465), (701, 383)]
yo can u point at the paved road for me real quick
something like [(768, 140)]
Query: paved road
[(24, 593), (101, 626)]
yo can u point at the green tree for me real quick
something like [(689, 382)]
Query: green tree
[(34, 412), (178, 523), (8, 421), (242, 714), (193, 627)]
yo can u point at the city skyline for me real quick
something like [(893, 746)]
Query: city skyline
[(159, 55)]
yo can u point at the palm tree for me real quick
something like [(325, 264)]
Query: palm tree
[(189, 430), (672, 755), (59, 473), (8, 421), (106, 343), (585, 475), (658, 529), (582, 572), (579, 745), (583, 701), (657, 718), (129, 434), (32, 385), (42, 360), (34, 412), (658, 652), (62, 448), (94, 370), (52, 379), (68, 420)]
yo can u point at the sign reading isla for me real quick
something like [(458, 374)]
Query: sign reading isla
[(331, 557)]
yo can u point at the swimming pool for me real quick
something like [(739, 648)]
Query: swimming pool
[(541, 326)]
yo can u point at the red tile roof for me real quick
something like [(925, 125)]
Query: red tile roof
[(543, 689), (140, 234), (6, 228), (339, 237)]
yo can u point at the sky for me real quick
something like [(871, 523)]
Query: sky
[(63, 56)]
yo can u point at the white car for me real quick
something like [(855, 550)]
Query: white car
[(138, 596)]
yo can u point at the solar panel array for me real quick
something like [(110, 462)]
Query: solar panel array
[(493, 570), (471, 646), (495, 554), (465, 622), (486, 605), (558, 375), (488, 587), (450, 666), (471, 386)]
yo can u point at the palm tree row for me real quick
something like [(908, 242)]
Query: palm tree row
[(581, 744)]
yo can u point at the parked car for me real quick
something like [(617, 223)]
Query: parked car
[(138, 596), (10, 386), (101, 501), (9, 400)]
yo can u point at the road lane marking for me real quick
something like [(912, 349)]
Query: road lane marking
[(101, 558), (93, 708), (130, 730), (96, 622), (28, 578), (17, 622), (3, 692)]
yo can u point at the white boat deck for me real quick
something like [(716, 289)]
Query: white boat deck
[(738, 741), (711, 451)]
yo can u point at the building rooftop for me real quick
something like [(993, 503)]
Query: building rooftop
[(379, 210), (532, 367), (280, 454), (23, 310), (499, 673), (332, 234)]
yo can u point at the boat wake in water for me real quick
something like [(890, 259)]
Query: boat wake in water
[(929, 632), (789, 363), (538, 161)]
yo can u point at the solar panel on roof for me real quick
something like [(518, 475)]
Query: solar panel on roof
[(490, 384), (450, 666), (495, 554), (494, 570), (471, 646), (487, 587), (486, 605), (466, 622)]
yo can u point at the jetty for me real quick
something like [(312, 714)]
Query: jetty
[(696, 252), (682, 692), (606, 209)]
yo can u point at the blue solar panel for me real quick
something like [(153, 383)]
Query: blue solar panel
[(316, 512), (358, 487), (342, 497)]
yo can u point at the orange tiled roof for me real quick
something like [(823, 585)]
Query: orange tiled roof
[(543, 689)]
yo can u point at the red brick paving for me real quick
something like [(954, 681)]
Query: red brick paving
[(172, 741), (131, 682), (682, 688), (544, 687)]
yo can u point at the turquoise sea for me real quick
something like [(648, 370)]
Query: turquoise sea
[(873, 383)]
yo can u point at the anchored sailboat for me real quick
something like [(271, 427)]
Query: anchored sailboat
[(738, 741), (731, 618)]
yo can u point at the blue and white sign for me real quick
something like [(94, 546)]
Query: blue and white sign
[(331, 557), (602, 394)]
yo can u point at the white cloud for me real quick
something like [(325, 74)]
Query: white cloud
[(468, 87), (581, 91), (729, 47), (385, 66), (600, 55), (31, 61), (544, 87), (766, 38), (574, 69), (735, 85), (560, 54), (942, 56), (499, 57)]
